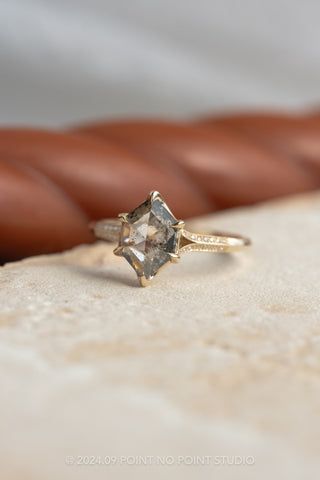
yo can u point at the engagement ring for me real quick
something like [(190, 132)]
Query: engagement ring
[(150, 237)]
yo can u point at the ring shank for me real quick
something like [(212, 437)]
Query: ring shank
[(109, 230), (214, 242)]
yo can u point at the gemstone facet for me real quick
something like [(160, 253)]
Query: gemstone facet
[(148, 237)]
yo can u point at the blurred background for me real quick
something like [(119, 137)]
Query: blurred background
[(213, 103), (65, 61)]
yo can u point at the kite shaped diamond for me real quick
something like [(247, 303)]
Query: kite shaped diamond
[(149, 237)]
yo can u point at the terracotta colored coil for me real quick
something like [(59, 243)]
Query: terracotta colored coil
[(53, 183)]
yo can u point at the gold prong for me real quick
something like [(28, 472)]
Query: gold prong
[(123, 217), (118, 251), (174, 258), (144, 282), (179, 225), (153, 195), (127, 242)]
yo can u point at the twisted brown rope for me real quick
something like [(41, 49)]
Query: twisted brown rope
[(52, 183)]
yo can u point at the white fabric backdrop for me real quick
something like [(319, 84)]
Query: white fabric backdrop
[(68, 60)]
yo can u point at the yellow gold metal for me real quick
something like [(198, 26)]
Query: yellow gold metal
[(179, 225), (213, 242), (143, 281), (153, 195), (123, 217), (174, 257), (118, 251)]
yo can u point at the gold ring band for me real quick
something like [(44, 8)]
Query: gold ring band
[(150, 236), (110, 231)]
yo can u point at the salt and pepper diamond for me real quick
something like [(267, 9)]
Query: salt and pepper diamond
[(149, 237)]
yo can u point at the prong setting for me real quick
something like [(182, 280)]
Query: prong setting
[(144, 282), (149, 237), (123, 217), (153, 195), (179, 225), (118, 251), (174, 257)]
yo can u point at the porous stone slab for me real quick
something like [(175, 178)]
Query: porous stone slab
[(218, 358)]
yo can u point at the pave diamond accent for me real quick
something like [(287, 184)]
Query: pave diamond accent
[(148, 238)]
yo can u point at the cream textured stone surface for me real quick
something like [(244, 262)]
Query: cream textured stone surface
[(219, 357)]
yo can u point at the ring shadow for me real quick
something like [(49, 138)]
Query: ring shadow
[(97, 274), (219, 263)]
